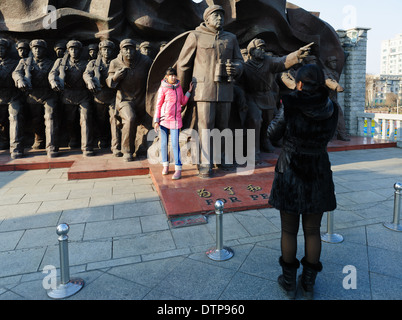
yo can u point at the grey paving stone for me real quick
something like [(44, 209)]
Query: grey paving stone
[(345, 253), (363, 197), (19, 210), (20, 261), (80, 253), (9, 240), (132, 188), (247, 287), (146, 196), (232, 228), (195, 280), (112, 263), (7, 199), (255, 223), (42, 237), (129, 210), (154, 223), (143, 244), (149, 273), (69, 204), (385, 262), (102, 200), (90, 193), (46, 196), (193, 236), (109, 287), (262, 262), (87, 214), (380, 237), (385, 287), (30, 221), (158, 295), (241, 253), (112, 228)]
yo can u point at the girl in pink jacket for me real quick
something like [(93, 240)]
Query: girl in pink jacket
[(168, 118)]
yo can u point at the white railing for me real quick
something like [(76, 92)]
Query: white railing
[(380, 126)]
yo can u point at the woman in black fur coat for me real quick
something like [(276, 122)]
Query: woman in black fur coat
[(303, 184)]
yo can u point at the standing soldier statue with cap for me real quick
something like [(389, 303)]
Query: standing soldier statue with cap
[(22, 49), (66, 77), (31, 76), (257, 78), (211, 58), (11, 119), (145, 48), (95, 77), (128, 74), (93, 49), (60, 49)]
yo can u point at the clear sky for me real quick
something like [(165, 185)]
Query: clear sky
[(384, 18)]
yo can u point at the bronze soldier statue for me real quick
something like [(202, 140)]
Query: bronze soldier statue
[(60, 49), (66, 77), (22, 49), (146, 49), (11, 119), (93, 51), (31, 76), (331, 80), (258, 80), (211, 57), (95, 77), (128, 74)]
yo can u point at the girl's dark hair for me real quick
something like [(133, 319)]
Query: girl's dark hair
[(312, 77), (171, 71)]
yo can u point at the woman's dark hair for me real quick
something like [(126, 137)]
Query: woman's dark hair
[(171, 71), (312, 77)]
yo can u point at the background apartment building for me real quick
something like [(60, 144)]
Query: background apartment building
[(391, 56), (386, 88)]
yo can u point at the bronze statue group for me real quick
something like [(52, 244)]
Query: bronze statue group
[(98, 102), (88, 97)]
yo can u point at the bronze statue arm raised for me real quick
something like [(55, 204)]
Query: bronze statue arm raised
[(298, 56)]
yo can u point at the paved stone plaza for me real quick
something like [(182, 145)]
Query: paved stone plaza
[(122, 245)]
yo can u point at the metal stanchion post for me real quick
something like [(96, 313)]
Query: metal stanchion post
[(330, 236), (219, 253), (67, 286), (394, 225)]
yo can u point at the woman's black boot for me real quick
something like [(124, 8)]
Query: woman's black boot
[(307, 278), (287, 280)]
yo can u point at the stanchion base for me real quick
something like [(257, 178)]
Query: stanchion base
[(220, 255), (332, 238), (66, 290), (393, 226)]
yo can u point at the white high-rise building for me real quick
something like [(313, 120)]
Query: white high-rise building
[(391, 56)]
